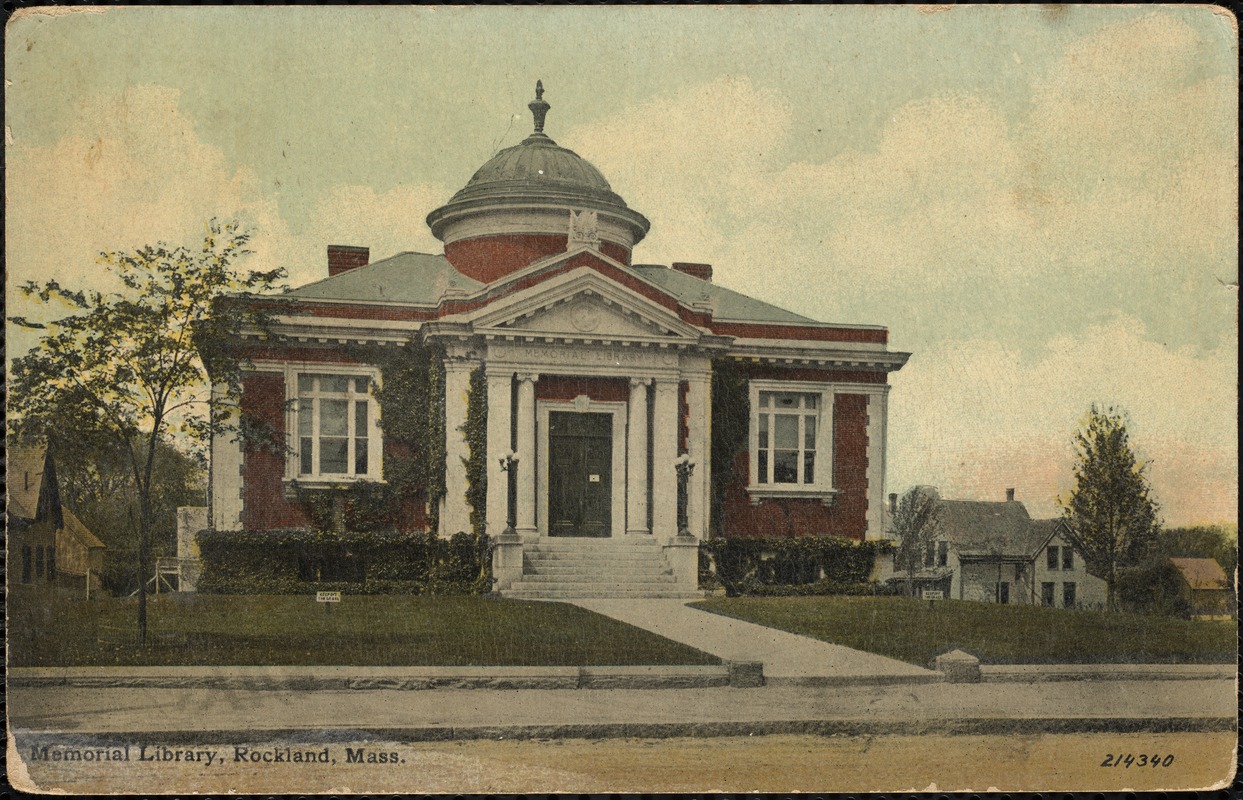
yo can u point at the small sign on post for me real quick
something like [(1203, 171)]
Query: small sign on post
[(328, 599), (933, 594)]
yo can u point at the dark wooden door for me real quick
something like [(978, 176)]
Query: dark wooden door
[(580, 480)]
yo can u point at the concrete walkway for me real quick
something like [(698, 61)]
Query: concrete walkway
[(789, 659), (222, 715)]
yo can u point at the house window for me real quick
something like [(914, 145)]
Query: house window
[(26, 564), (787, 437), (791, 438), (1003, 592), (943, 554), (929, 553), (1051, 557), (1068, 595), (1068, 558), (38, 561), (51, 563), (336, 424), (1046, 594)]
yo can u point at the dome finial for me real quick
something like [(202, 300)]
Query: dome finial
[(539, 107)]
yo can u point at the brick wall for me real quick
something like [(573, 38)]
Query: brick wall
[(264, 504), (567, 387), (847, 516)]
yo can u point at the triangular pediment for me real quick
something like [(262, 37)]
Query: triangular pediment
[(582, 303), (588, 313)]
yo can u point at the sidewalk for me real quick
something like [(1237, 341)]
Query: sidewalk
[(205, 715), (789, 659)]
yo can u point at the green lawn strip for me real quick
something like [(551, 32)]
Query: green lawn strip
[(252, 630), (913, 631)]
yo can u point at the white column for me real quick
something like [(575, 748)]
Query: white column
[(226, 469), (699, 441), (636, 458), (500, 396), (454, 512), (664, 453), (877, 430), (526, 453)]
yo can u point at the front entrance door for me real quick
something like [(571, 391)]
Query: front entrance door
[(580, 480)]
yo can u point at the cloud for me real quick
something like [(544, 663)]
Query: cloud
[(977, 416), (133, 171)]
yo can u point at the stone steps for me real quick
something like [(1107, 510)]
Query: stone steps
[(574, 569)]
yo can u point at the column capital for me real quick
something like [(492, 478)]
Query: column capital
[(528, 377), (667, 386), (635, 382)]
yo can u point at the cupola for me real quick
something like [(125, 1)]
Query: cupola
[(530, 201)]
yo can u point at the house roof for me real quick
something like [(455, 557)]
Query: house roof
[(75, 528), (983, 528), (422, 278), (727, 304), (1201, 573), (411, 278), (24, 479)]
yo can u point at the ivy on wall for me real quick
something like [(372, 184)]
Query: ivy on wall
[(411, 396), (731, 420), (476, 435)]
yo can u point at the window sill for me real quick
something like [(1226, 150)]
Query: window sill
[(763, 492), (326, 483)]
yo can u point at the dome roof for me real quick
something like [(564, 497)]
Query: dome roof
[(539, 160), (537, 172)]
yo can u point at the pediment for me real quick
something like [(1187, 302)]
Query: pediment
[(582, 303), (587, 313)]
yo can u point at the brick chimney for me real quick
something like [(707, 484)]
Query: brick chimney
[(701, 271), (1009, 495), (893, 503), (344, 257)]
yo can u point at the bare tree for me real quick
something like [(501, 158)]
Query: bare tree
[(916, 524)]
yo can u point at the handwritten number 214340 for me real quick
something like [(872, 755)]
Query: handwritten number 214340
[(1129, 760)]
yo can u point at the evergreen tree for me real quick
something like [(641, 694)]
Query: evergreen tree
[(1113, 518)]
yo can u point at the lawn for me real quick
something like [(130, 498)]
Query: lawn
[(373, 631), (913, 631)]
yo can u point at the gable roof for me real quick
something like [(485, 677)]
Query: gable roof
[(1201, 573), (74, 527), (984, 528), (24, 479), (411, 278)]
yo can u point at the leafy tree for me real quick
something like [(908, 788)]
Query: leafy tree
[(127, 369), (916, 523), (1112, 515), (98, 484), (1218, 542)]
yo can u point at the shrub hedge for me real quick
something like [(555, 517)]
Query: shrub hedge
[(356, 562), (809, 564)]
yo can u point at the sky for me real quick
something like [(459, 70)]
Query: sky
[(1039, 202)]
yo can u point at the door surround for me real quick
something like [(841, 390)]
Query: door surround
[(617, 491)]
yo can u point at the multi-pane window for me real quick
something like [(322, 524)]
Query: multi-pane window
[(1003, 592), (1046, 594), (335, 425), (1068, 595), (786, 446), (1068, 558), (1051, 556), (943, 554)]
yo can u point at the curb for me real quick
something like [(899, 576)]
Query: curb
[(642, 730), (1042, 673), (734, 674)]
